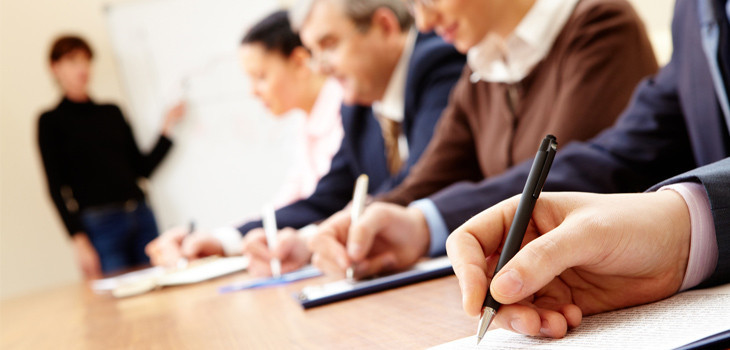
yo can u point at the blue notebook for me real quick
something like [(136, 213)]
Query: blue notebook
[(331, 292)]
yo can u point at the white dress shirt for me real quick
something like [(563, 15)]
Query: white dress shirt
[(511, 59)]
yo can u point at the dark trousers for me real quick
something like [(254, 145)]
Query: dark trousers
[(119, 234)]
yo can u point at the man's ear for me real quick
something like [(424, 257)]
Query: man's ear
[(386, 22), (300, 56)]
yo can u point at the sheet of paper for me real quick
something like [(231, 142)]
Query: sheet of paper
[(666, 324), (216, 268), (303, 273), (108, 284)]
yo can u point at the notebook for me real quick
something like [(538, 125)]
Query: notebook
[(340, 290)]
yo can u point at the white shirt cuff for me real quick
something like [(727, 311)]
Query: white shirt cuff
[(309, 231), (230, 238), (436, 225), (703, 253)]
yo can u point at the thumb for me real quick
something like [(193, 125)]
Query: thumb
[(362, 233), (538, 263), (199, 245)]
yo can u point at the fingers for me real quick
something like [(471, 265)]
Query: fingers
[(468, 248), (290, 250), (327, 246), (255, 246), (539, 262), (470, 267), (384, 262), (329, 255), (531, 320), (362, 234), (523, 319), (201, 244), (287, 245), (165, 250)]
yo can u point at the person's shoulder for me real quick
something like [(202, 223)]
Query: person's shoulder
[(433, 58), (429, 47), (110, 107), (602, 22), (49, 116), (593, 11)]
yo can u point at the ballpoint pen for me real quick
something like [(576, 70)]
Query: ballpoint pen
[(533, 187), (269, 219), (358, 205)]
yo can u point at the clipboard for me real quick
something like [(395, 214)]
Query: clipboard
[(313, 296)]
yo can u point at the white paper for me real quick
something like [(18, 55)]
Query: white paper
[(111, 283), (213, 269), (666, 324)]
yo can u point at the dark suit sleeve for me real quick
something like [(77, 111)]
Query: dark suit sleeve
[(331, 194), (715, 178), (438, 72), (143, 164), (649, 143), (51, 149)]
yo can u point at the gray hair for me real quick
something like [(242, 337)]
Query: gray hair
[(359, 11)]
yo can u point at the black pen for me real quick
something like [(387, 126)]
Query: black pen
[(533, 187)]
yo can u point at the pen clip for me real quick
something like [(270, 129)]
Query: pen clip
[(552, 148)]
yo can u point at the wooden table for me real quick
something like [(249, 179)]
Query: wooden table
[(197, 317)]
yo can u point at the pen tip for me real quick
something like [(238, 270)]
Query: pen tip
[(484, 322)]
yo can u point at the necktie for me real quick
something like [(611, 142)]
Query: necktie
[(391, 132)]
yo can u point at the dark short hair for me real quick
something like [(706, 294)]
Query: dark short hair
[(275, 33), (66, 44)]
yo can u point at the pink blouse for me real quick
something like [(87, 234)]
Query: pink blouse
[(319, 140)]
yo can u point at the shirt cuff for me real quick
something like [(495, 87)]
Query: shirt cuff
[(230, 239), (436, 225), (703, 253), (309, 231)]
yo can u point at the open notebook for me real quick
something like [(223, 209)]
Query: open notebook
[(142, 281), (667, 324)]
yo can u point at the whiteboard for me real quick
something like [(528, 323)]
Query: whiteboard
[(229, 155)]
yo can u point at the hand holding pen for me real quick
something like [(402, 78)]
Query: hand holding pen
[(535, 181), (582, 254), (384, 238), (269, 220)]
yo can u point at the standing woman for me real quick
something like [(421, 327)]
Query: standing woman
[(92, 165)]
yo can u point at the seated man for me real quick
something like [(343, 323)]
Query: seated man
[(396, 83), (560, 69)]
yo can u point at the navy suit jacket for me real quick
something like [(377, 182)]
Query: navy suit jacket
[(673, 124), (433, 70)]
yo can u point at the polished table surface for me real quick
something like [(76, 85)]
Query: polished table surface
[(197, 317)]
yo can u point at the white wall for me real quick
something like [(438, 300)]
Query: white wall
[(34, 250)]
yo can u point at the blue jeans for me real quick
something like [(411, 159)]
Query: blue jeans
[(119, 234)]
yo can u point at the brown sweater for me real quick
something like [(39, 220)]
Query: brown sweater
[(576, 91)]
